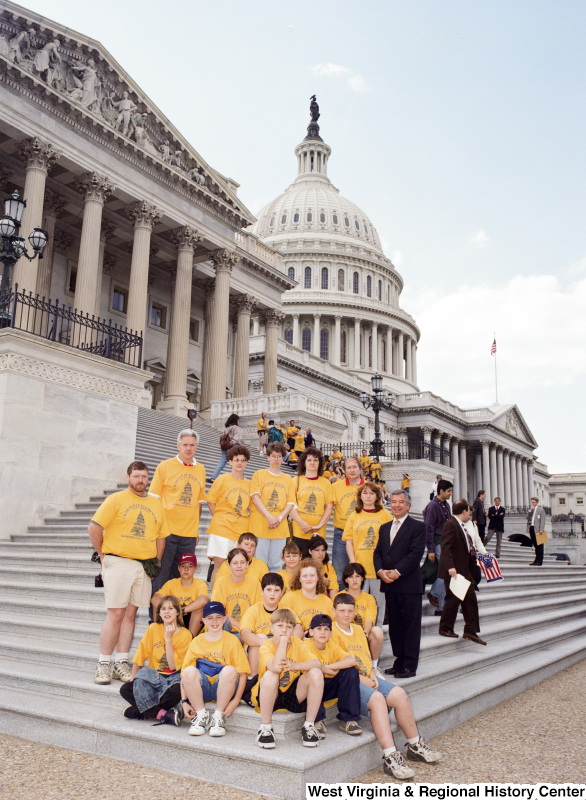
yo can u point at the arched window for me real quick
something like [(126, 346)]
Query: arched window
[(380, 290), (346, 222), (309, 216), (389, 293), (322, 217), (355, 283), (307, 282), (291, 272), (335, 219), (360, 358), (289, 335), (306, 339), (340, 280), (343, 345), (370, 351), (283, 219), (272, 222), (368, 286), (384, 354), (296, 217), (324, 278), (357, 225), (365, 228), (324, 344)]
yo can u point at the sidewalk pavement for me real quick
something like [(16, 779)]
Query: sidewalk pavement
[(539, 736)]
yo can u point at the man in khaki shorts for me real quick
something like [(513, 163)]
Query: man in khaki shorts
[(129, 528)]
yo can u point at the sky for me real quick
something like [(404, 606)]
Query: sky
[(457, 126)]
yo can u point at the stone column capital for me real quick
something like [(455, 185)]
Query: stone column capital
[(272, 318), (186, 238), (94, 186), (223, 260), (244, 303), (427, 430), (485, 445), (53, 205), (38, 154), (144, 214)]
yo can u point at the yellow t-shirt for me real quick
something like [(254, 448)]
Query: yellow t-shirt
[(375, 470), (362, 530), (286, 579), (180, 489), (356, 644), (227, 650), (331, 654), (297, 651), (257, 619), (256, 568), (275, 492), (405, 483), (336, 456), (262, 424), (293, 457), (232, 499), (327, 474), (344, 500), (365, 609), (237, 597), (185, 594), (152, 647), (131, 524), (299, 441), (305, 608), (328, 571), (365, 462), (292, 431), (312, 496)]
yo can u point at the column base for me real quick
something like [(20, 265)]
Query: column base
[(178, 406)]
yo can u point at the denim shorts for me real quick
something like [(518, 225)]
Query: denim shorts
[(366, 692)]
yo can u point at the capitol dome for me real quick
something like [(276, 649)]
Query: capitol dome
[(345, 308)]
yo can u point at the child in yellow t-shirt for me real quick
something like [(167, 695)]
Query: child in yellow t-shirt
[(365, 609), (237, 591), (376, 469), (318, 550), (307, 595), (378, 695), (256, 567), (365, 462), (256, 622), (214, 669), (336, 456), (291, 558), (191, 592), (289, 679)]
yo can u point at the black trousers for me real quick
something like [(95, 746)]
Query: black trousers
[(481, 531), (169, 699), (346, 687), (404, 615), (538, 547), (469, 609)]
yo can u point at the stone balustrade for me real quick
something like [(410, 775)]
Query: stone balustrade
[(285, 404), (253, 245)]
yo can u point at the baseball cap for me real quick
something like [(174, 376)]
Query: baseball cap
[(321, 619), (213, 607), (188, 558)]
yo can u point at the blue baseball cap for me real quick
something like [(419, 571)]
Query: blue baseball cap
[(213, 607), (321, 619)]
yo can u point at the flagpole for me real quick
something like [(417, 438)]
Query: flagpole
[(496, 391)]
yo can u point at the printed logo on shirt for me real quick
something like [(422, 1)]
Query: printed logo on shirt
[(285, 679), (273, 502), (139, 527), (310, 504), (186, 495)]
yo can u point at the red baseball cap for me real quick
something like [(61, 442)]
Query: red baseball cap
[(188, 558)]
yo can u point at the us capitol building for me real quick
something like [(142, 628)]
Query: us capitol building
[(159, 288)]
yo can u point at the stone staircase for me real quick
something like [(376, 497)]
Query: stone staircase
[(534, 622)]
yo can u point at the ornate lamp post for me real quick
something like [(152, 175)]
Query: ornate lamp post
[(377, 401), (571, 516), (13, 246)]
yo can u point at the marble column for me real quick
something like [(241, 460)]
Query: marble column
[(400, 355), (296, 341), (519, 471), (356, 344), (477, 472), (507, 466), (244, 304), (337, 335), (427, 443), (389, 335), (394, 356), (456, 466), (145, 217), (414, 361), (39, 157), (54, 205), (315, 337), (374, 334), (514, 491), (408, 362), (96, 189), (500, 474), (256, 327), (214, 380), (272, 320), (106, 232), (526, 501), (437, 443), (493, 473), (530, 488), (486, 478), (175, 401), (463, 471)]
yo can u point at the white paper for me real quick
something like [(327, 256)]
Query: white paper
[(459, 586)]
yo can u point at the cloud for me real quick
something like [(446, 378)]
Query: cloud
[(480, 239), (577, 267), (397, 258), (353, 80)]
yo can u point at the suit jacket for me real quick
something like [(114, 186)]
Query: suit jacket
[(404, 555), (455, 552), (478, 512), (539, 524), (496, 518)]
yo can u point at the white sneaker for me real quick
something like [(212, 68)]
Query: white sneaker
[(266, 739), (395, 765), (420, 751), (122, 671), (380, 674), (321, 729), (218, 725), (200, 724), (102, 675)]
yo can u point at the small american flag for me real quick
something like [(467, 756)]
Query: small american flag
[(490, 568), (493, 348)]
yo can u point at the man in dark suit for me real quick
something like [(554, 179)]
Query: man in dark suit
[(479, 514), (397, 557), (536, 523), (496, 524), (458, 557)]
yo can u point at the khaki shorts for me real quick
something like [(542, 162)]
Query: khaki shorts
[(125, 583), (219, 546)]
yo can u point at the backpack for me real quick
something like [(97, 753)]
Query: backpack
[(275, 435), (225, 442)]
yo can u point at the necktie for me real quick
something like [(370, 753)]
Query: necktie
[(394, 529), (470, 545)]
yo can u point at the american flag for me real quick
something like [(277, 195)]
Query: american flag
[(493, 348), (490, 568)]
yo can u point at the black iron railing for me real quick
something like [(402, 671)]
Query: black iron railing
[(66, 325), (410, 449)]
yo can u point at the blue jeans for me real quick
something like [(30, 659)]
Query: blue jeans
[(339, 555), (271, 552), (149, 686), (175, 546), (439, 588), (366, 692), (221, 465)]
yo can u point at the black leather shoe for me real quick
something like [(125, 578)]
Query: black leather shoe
[(391, 671), (405, 673)]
